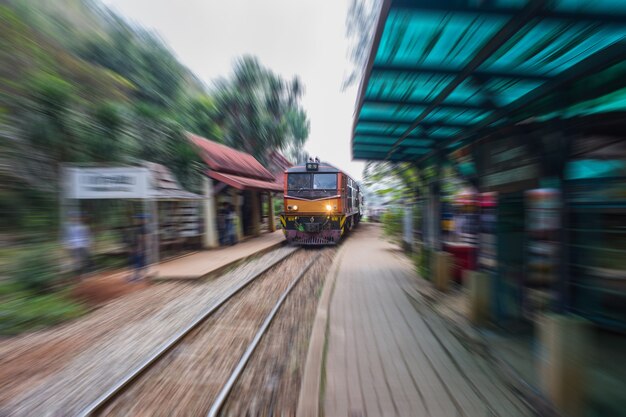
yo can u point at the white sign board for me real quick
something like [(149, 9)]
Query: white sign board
[(107, 183)]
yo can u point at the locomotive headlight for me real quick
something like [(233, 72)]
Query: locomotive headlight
[(295, 208), (328, 207)]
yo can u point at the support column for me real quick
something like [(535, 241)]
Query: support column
[(210, 227), (436, 196), (441, 269), (256, 213), (270, 213), (479, 296), (563, 361), (441, 265), (407, 236)]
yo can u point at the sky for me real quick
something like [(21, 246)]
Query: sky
[(292, 37)]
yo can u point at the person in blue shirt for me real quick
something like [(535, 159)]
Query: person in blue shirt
[(77, 240), (138, 241)]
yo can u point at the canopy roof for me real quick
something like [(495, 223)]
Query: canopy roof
[(234, 168), (245, 183), (440, 73), (224, 159)]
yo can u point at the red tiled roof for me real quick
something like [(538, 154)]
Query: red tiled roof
[(244, 183), (227, 160)]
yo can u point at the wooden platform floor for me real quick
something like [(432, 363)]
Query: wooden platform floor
[(205, 263), (389, 354)]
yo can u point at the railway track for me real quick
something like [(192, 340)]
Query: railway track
[(118, 390)]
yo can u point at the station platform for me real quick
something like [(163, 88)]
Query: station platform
[(203, 264), (377, 349)]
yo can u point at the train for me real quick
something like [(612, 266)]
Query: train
[(321, 204)]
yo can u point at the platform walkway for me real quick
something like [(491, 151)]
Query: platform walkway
[(387, 353), (205, 263)]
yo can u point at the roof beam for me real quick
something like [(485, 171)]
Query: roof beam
[(508, 12), (375, 147), (381, 139), (409, 124), (403, 69), (594, 63), (424, 103), (373, 156), (514, 25)]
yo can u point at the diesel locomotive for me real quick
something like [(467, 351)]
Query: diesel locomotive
[(322, 203)]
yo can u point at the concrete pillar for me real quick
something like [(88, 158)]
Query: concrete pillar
[(256, 213), (479, 286), (210, 227), (270, 213), (563, 361), (441, 269), (437, 241)]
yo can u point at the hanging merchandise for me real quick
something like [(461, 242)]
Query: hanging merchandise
[(543, 241), (487, 232)]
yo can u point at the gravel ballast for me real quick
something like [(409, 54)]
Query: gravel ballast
[(60, 371)]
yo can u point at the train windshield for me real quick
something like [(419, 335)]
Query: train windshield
[(324, 181), (299, 182)]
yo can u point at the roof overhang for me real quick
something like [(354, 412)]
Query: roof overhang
[(440, 75), (222, 158), (245, 183)]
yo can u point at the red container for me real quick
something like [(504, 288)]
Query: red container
[(464, 256)]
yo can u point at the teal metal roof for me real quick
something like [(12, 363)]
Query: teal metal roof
[(441, 71)]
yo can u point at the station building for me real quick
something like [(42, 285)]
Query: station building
[(238, 179)]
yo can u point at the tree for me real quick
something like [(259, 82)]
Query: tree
[(360, 28), (392, 182), (198, 116), (258, 111)]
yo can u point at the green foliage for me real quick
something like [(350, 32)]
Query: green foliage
[(391, 183), (20, 312), (199, 117), (25, 51), (258, 111), (36, 270), (139, 57), (392, 223), (80, 84), (279, 206), (30, 298), (422, 261), (360, 28), (108, 136)]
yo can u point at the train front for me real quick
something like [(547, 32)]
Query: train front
[(313, 210)]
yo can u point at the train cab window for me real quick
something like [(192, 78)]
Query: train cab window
[(299, 181), (325, 181)]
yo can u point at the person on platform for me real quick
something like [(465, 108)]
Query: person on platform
[(77, 240), (222, 229), (231, 218), (138, 239)]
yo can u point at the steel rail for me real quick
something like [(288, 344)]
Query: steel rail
[(112, 392), (245, 358)]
